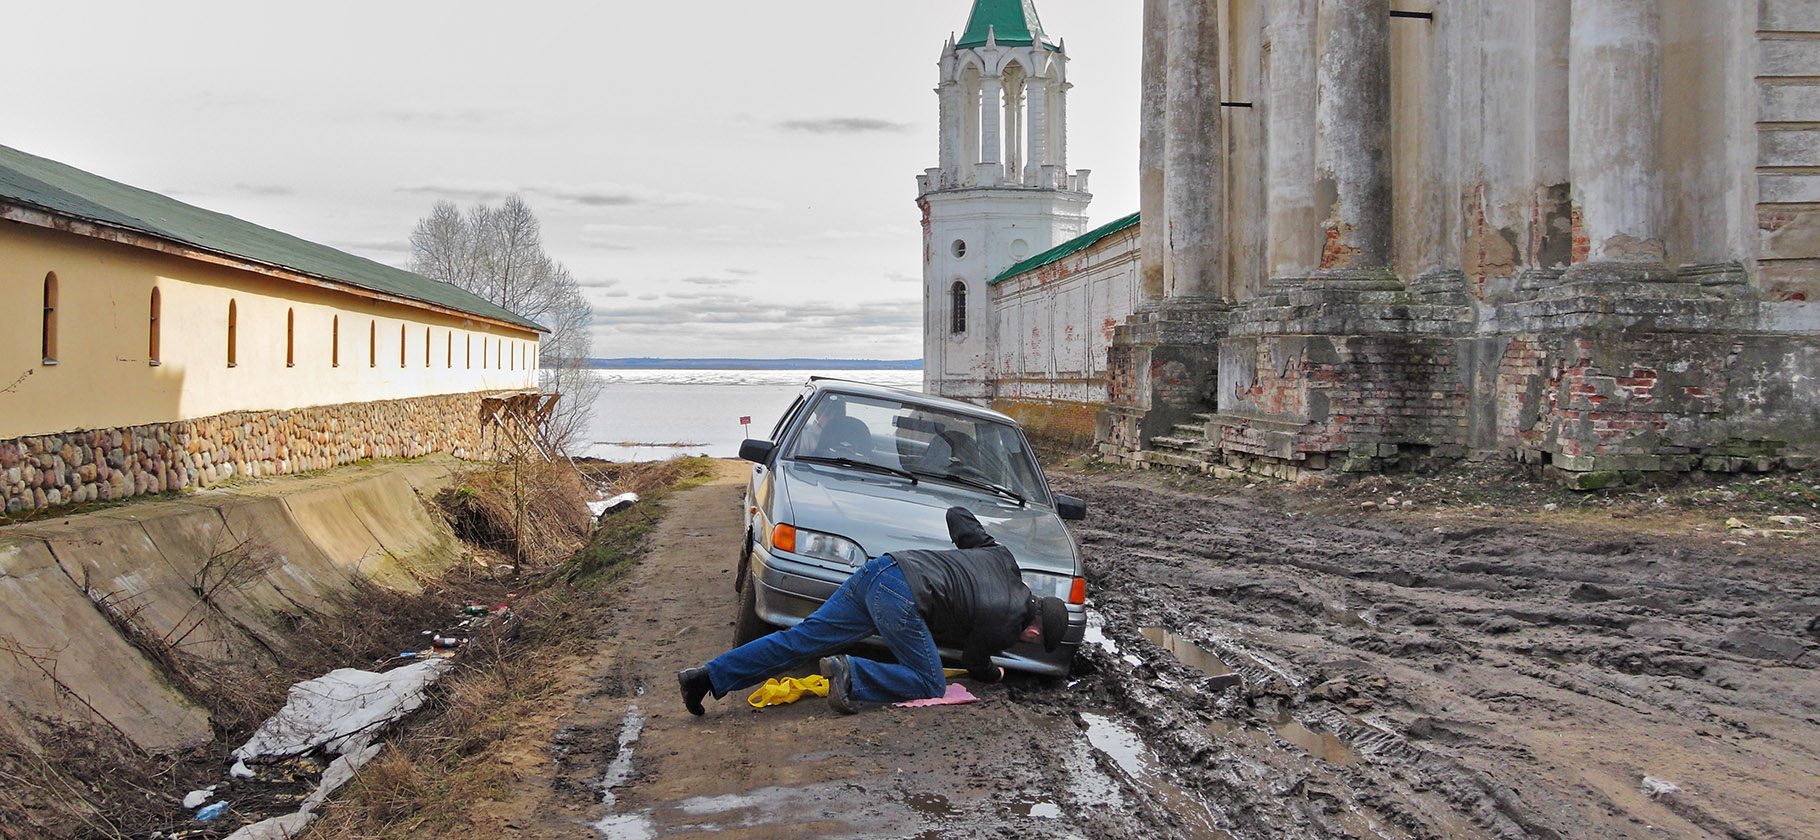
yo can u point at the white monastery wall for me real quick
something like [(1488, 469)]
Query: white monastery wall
[(1055, 323)]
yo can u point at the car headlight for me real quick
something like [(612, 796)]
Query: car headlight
[(819, 545), (1072, 590)]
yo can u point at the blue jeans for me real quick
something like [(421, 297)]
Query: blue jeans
[(875, 600)]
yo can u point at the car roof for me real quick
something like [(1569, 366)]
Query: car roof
[(867, 389)]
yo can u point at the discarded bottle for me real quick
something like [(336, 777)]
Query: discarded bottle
[(447, 641), (211, 812), (474, 608)]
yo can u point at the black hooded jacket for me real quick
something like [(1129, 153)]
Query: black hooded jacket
[(973, 596)]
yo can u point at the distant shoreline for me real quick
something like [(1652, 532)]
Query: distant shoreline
[(645, 363)]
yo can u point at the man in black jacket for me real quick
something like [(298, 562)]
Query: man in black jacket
[(971, 596)]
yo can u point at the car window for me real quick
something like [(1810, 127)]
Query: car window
[(922, 440), (784, 421)]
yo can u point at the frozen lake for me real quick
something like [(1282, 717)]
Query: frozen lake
[(654, 415)]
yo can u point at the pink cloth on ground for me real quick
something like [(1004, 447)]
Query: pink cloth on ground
[(957, 694)]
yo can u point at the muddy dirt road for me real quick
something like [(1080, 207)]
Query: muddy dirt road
[(1259, 673)]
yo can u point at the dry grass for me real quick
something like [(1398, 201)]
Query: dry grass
[(432, 774), (528, 511)]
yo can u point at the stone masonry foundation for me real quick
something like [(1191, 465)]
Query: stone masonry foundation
[(48, 471)]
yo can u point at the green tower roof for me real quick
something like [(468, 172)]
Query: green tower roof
[(1012, 23)]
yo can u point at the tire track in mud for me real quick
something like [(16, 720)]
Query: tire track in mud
[(1414, 679)]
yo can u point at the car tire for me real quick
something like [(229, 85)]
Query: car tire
[(742, 568), (749, 627)]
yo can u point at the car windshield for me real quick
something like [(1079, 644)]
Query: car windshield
[(924, 442)]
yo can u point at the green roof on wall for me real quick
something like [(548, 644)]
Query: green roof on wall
[(33, 181), (1072, 246)]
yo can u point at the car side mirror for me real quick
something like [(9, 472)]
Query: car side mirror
[(1069, 507), (757, 451)]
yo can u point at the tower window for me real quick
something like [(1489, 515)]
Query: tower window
[(959, 249), (957, 296), (290, 338), (49, 335), (155, 347), (233, 334)]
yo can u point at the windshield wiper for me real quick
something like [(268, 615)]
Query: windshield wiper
[(851, 463), (977, 484)]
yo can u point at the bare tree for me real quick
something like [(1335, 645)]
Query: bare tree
[(498, 254)]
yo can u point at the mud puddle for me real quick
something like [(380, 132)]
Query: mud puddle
[(1122, 744)]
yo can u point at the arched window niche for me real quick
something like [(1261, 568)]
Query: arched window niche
[(335, 341), (233, 335), (290, 338), (154, 350), (48, 335)]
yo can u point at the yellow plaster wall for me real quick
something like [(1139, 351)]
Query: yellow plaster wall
[(103, 377)]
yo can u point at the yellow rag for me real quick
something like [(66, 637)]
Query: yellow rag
[(776, 692)]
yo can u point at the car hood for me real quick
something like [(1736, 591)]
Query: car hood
[(886, 513)]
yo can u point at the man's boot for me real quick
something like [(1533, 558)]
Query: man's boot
[(840, 683), (695, 685)]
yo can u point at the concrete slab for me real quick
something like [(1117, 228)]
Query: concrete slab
[(393, 512), (103, 679)]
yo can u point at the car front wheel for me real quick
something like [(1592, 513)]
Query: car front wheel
[(750, 627)]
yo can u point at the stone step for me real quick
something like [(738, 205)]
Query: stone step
[(1204, 418), (1171, 459), (1180, 444), (1188, 431)]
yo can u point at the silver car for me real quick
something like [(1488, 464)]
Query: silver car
[(853, 470)]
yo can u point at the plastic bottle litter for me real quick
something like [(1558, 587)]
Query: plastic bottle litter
[(447, 641), (474, 608), (198, 797), (211, 812)]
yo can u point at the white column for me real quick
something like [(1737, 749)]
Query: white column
[(1194, 179), (950, 96), (1014, 131), (1039, 132), (992, 99), (1352, 131), (1059, 145), (1295, 234), (1614, 105), (1152, 106)]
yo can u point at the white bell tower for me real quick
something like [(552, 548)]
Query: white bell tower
[(1002, 192)]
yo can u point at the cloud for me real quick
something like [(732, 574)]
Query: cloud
[(597, 282), (900, 277), (263, 189), (743, 272), (710, 281), (845, 125), (591, 196), (461, 192)]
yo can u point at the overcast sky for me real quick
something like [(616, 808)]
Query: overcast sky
[(726, 177)]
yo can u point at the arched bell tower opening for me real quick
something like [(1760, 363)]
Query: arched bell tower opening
[(1001, 191)]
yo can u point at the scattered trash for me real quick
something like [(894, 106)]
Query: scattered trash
[(196, 798), (1735, 523), (1551, 507), (330, 710), (1655, 788), (241, 771), (211, 812), (612, 505)]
